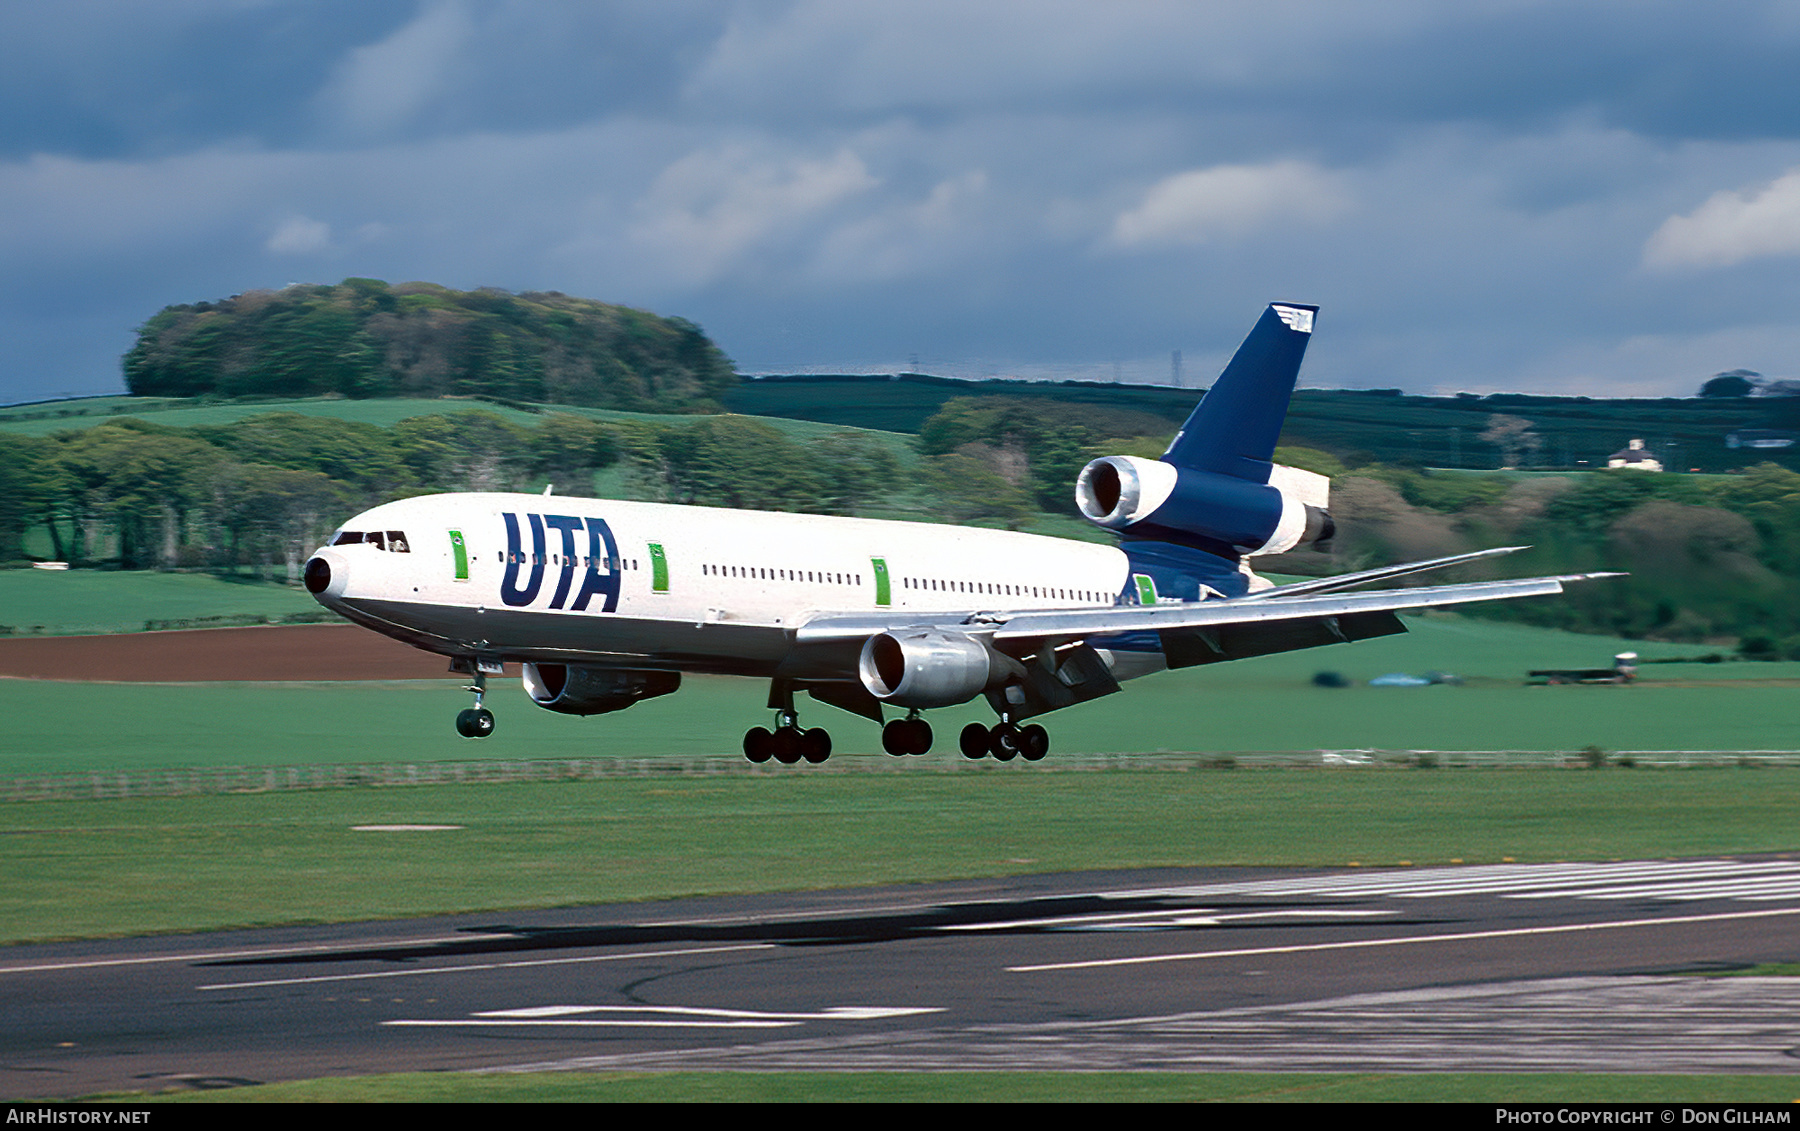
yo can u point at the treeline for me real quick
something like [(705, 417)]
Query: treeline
[(364, 338), (1712, 558), (265, 491)]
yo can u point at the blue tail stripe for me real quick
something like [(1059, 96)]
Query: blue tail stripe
[(1234, 429)]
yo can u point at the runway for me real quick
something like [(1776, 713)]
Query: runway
[(1539, 967)]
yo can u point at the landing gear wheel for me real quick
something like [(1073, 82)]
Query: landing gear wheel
[(475, 722), (920, 732), (906, 736), (759, 744), (974, 741), (894, 738), (815, 745), (787, 745), (1004, 741), (1034, 742)]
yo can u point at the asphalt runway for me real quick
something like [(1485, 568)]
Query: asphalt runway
[(1543, 967)]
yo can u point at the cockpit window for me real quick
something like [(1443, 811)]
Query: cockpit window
[(393, 541)]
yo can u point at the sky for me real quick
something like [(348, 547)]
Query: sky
[(1497, 195)]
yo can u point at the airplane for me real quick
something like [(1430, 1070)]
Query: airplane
[(607, 603)]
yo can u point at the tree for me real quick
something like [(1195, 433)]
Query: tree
[(1731, 383)]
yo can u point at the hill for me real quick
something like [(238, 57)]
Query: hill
[(364, 338)]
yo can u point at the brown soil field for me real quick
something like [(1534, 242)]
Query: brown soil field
[(270, 653)]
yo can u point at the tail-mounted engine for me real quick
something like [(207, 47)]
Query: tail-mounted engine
[(1149, 498), (571, 689)]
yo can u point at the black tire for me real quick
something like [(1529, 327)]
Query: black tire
[(815, 745), (894, 738), (759, 744), (1004, 741), (475, 722), (787, 745), (918, 736), (1034, 742), (974, 741)]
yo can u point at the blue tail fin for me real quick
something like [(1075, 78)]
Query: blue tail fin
[(1234, 428)]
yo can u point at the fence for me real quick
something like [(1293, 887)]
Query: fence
[(217, 780)]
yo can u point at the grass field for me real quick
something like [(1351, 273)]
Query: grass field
[(1262, 704), (79, 602), (95, 868)]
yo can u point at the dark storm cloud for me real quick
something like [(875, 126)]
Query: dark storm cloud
[(1558, 196)]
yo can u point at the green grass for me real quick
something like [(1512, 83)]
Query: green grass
[(1261, 704), (82, 869), (1014, 1087), (81, 601)]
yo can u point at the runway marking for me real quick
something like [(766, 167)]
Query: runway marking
[(1600, 1024), (1409, 940), (478, 966), (1672, 880), (219, 955), (687, 1017), (1188, 917)]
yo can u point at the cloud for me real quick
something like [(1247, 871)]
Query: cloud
[(708, 209), (1732, 227), (1229, 201), (299, 235), (383, 87)]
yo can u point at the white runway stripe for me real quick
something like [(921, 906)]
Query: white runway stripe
[(1671, 880)]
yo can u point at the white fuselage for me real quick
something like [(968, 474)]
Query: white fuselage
[(514, 576)]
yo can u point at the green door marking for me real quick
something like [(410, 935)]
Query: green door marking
[(659, 569), (1146, 587), (462, 555), (884, 593)]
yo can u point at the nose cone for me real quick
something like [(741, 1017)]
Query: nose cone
[(326, 575)]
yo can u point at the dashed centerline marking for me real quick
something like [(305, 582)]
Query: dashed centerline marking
[(665, 1017), (478, 966)]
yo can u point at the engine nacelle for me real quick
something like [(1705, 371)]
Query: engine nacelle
[(1155, 499), (926, 667), (572, 689)]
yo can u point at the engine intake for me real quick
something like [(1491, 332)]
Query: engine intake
[(1156, 499), (928, 667), (573, 689)]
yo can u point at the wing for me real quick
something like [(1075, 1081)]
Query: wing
[(1018, 631)]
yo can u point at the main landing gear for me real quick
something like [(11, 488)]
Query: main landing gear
[(911, 735), (1005, 741), (787, 743), (476, 721)]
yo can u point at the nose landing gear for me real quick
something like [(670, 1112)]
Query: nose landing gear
[(476, 721)]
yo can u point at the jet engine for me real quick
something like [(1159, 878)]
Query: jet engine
[(926, 667), (572, 689), (1154, 499)]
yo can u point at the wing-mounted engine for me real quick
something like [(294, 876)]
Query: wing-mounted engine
[(572, 689), (1158, 500), (930, 667)]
